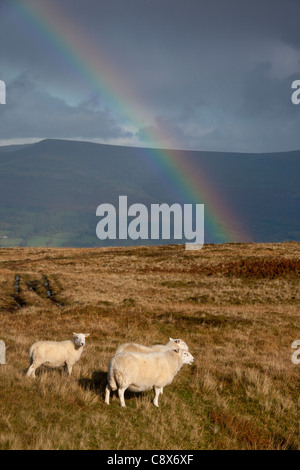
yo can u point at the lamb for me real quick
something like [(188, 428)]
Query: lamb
[(134, 347), (56, 354), (139, 372)]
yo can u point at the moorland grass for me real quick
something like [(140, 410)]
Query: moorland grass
[(237, 306)]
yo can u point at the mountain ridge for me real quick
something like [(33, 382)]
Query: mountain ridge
[(43, 183)]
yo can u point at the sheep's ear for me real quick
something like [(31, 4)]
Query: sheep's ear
[(171, 339), (87, 334), (176, 350), (75, 334)]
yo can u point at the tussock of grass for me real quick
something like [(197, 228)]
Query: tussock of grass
[(260, 268), (237, 307)]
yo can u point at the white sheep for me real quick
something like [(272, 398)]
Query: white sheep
[(138, 372), (135, 347), (56, 353)]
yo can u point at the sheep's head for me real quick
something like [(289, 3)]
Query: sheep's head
[(79, 338), (185, 356), (180, 343)]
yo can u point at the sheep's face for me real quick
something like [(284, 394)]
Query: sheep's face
[(186, 357), (79, 338), (180, 343)]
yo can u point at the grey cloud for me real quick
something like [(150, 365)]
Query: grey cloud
[(32, 112), (214, 75)]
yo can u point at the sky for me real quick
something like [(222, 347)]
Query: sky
[(195, 74)]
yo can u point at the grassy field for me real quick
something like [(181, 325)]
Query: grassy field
[(237, 306)]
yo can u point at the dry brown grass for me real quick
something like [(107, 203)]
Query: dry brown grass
[(237, 306)]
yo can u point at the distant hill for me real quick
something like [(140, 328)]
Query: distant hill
[(13, 148), (49, 191)]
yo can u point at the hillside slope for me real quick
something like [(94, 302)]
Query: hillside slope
[(236, 306), (49, 191)]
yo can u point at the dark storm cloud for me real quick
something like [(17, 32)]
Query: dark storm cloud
[(35, 113), (215, 74)]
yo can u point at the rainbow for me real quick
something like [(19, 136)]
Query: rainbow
[(90, 62)]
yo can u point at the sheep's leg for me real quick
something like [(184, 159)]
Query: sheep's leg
[(107, 393), (32, 369), (157, 392), (121, 396), (69, 369)]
